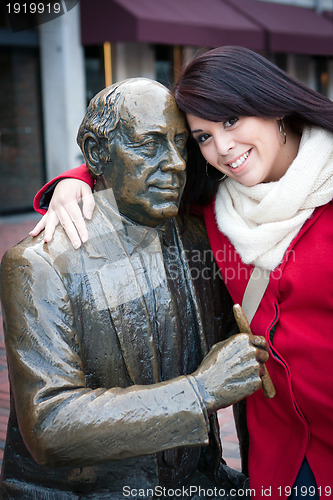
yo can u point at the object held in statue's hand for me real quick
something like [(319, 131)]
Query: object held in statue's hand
[(244, 327)]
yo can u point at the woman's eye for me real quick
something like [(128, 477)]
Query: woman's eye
[(202, 138), (230, 122)]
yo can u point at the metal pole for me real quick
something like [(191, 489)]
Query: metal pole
[(107, 63)]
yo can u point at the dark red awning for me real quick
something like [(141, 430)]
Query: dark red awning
[(288, 28), (328, 14), (207, 23)]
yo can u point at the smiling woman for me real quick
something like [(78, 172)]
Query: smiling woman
[(230, 83), (273, 138)]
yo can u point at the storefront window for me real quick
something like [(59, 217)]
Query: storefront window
[(94, 66), (21, 145), (164, 64), (321, 75)]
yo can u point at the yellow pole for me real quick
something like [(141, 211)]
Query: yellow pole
[(177, 61), (107, 63)]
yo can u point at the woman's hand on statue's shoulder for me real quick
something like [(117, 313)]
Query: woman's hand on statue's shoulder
[(65, 208)]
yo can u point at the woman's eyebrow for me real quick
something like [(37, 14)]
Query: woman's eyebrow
[(195, 131)]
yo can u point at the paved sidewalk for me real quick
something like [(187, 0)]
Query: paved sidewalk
[(14, 229)]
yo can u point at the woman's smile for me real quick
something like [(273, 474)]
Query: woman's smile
[(239, 163)]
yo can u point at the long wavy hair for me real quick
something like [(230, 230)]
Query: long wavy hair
[(232, 82)]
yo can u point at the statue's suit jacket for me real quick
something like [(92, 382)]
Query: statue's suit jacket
[(89, 413)]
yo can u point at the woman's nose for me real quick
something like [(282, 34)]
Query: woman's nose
[(224, 143)]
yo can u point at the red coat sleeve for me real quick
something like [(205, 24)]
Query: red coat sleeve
[(44, 195)]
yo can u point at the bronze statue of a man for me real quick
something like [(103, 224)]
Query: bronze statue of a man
[(114, 380)]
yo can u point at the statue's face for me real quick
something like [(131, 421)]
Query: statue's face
[(148, 152)]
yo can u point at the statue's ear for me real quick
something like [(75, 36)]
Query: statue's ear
[(95, 153)]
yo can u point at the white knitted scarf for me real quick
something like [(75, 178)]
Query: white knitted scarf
[(261, 221)]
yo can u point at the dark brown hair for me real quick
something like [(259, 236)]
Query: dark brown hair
[(234, 81)]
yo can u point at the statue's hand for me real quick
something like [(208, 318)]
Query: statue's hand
[(231, 370), (64, 208)]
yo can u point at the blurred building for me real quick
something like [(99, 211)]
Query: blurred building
[(49, 69)]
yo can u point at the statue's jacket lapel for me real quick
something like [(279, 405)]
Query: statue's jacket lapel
[(117, 270)]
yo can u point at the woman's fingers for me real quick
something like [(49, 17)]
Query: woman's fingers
[(70, 217), (88, 202), (75, 226), (64, 208), (39, 226), (66, 216), (51, 222)]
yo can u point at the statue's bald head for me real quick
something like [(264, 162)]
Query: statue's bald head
[(134, 140), (103, 114)]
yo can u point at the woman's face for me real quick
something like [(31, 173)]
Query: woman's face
[(249, 150)]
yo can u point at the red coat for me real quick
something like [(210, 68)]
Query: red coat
[(296, 317), (75, 173)]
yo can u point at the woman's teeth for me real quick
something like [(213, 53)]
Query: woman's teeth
[(240, 161)]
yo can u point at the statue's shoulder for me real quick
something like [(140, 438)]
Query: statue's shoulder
[(34, 249), (193, 229)]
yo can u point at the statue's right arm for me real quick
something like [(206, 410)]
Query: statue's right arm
[(59, 200), (62, 420)]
